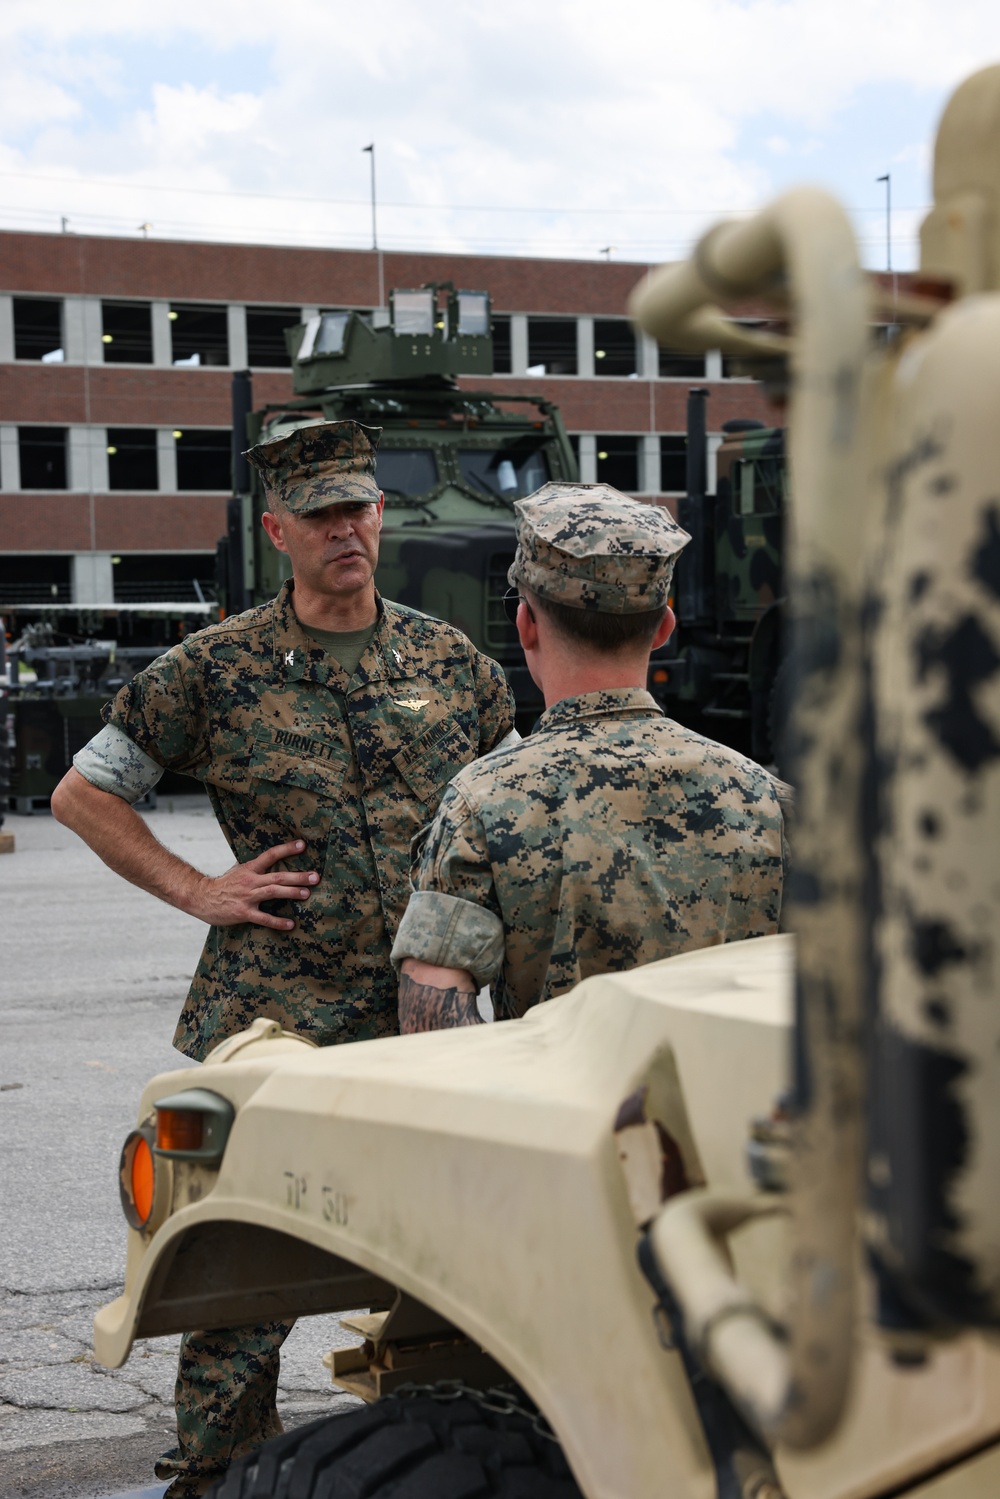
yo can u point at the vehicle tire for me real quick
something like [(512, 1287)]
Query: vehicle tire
[(417, 1447)]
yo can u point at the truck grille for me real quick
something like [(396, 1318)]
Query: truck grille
[(499, 633)]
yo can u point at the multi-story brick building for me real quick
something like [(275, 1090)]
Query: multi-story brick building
[(115, 358)]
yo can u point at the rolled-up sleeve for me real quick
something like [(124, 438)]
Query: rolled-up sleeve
[(112, 762), (453, 917), (452, 933)]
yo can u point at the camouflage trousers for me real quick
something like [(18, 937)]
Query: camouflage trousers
[(227, 1380)]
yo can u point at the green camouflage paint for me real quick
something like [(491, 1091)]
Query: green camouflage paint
[(750, 503)]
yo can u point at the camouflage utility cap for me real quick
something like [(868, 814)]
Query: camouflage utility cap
[(328, 463), (587, 546)]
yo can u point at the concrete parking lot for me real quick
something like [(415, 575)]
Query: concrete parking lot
[(92, 976)]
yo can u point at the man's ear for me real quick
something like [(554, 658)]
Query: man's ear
[(272, 525), (527, 627), (665, 630)]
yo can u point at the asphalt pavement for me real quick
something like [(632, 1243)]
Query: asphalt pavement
[(92, 976)]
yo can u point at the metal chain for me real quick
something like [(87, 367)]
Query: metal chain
[(498, 1401)]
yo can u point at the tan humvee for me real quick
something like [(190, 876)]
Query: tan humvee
[(606, 1209)]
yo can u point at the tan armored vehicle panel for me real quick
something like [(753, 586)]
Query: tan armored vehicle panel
[(480, 1174), (477, 1171)]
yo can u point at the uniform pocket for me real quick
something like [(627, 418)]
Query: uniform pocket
[(428, 764), (282, 757)]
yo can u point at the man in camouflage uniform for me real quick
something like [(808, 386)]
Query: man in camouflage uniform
[(611, 836), (325, 726)]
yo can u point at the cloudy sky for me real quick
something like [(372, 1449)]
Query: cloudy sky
[(552, 127)]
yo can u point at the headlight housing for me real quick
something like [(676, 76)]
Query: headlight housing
[(193, 1126)]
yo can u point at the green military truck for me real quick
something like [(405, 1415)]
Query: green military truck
[(719, 672), (451, 461)]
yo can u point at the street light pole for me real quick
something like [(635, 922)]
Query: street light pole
[(371, 151), (381, 277), (887, 179)]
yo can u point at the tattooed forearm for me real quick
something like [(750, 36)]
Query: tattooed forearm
[(422, 1007)]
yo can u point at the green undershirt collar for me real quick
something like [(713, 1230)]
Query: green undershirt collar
[(345, 646)]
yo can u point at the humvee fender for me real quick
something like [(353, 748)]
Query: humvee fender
[(477, 1177)]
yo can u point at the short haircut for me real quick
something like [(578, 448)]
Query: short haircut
[(606, 633)]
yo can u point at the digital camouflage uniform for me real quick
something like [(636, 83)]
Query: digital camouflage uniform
[(288, 747), (611, 836)]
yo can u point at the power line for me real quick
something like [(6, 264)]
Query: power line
[(637, 253), (208, 192)]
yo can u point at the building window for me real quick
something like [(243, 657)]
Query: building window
[(38, 329), (614, 347), (674, 365), (34, 579), (127, 332), (673, 464), (132, 458), (204, 459), (42, 452), (552, 346), (618, 462), (164, 578), (734, 368), (266, 336), (199, 335), (501, 346)]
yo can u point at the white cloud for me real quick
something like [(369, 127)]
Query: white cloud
[(186, 123), (633, 115)]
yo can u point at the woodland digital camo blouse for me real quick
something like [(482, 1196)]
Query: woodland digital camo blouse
[(608, 838), (289, 748)]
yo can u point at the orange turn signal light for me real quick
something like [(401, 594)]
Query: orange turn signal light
[(193, 1125), (137, 1177), (142, 1180), (180, 1129), (661, 675)]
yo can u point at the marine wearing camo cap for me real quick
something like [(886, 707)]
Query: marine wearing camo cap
[(610, 837), (589, 547), (330, 463)]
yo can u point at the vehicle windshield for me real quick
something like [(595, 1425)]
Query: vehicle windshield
[(508, 473), (761, 486), (406, 471)]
